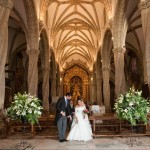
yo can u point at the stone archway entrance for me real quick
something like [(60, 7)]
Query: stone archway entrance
[(76, 80)]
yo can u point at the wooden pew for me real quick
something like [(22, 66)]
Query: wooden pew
[(44, 123), (126, 127), (15, 126), (108, 121)]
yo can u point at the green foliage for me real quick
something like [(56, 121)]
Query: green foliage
[(25, 106), (132, 107)]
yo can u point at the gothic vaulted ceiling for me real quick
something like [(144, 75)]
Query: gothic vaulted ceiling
[(75, 29)]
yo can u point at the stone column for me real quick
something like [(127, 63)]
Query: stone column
[(106, 88), (99, 90), (45, 89), (87, 91), (58, 86), (120, 86), (53, 86), (33, 71), (5, 7), (61, 87), (58, 89), (92, 90), (144, 6)]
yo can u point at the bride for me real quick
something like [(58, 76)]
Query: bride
[(81, 128)]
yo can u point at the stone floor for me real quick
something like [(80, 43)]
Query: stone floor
[(49, 143)]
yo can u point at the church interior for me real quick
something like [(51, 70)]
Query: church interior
[(96, 49)]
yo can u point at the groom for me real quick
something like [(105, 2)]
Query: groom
[(62, 113)]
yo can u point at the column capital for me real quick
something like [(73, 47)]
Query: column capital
[(144, 4), (33, 52), (119, 49), (6, 3)]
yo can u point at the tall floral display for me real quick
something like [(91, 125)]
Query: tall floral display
[(25, 107), (132, 107)]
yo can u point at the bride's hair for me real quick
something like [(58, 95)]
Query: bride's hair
[(79, 100)]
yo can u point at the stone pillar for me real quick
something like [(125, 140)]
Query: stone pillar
[(5, 7), (106, 88), (33, 71), (45, 89), (53, 86), (61, 87), (120, 86), (58, 86), (58, 89), (92, 90), (99, 90), (144, 6)]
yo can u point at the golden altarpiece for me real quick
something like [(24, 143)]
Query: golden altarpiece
[(76, 80)]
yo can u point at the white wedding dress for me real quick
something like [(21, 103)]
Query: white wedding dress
[(81, 129)]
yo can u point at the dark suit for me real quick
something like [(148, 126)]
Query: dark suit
[(72, 110), (62, 106)]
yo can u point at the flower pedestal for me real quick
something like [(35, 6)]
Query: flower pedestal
[(23, 143), (133, 108), (27, 109), (132, 140)]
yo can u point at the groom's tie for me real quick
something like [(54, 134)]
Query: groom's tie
[(66, 102)]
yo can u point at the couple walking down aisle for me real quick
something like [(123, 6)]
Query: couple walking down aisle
[(80, 128)]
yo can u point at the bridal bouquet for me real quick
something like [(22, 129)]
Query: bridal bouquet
[(25, 107), (85, 111)]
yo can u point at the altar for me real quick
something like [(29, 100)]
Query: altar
[(76, 81)]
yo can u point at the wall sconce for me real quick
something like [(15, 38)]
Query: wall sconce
[(60, 79), (91, 78)]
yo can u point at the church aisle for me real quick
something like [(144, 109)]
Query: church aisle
[(45, 143)]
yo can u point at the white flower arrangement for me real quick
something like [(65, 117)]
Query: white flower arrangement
[(132, 107), (25, 106)]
